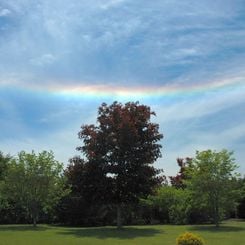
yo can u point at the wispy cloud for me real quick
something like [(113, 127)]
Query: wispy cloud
[(111, 3), (125, 40), (4, 12), (45, 59), (45, 45)]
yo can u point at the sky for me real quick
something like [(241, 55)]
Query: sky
[(61, 59)]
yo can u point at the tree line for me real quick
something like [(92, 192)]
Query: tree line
[(113, 180)]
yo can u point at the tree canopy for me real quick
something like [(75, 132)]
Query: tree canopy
[(210, 178), (124, 144), (113, 179), (35, 181)]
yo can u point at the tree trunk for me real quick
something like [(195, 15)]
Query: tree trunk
[(34, 214), (34, 221), (216, 211), (217, 216), (119, 216)]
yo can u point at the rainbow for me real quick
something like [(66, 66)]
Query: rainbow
[(103, 90)]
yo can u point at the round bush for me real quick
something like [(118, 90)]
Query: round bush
[(189, 239)]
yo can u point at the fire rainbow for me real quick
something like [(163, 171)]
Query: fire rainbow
[(145, 91), (104, 90)]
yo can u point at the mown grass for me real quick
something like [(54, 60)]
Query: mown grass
[(230, 233)]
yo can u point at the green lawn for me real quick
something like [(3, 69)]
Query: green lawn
[(230, 233)]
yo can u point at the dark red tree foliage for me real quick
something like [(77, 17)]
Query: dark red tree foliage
[(123, 145), (178, 180)]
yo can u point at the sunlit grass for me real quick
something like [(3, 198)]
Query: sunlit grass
[(230, 233)]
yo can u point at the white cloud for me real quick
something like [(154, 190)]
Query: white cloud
[(4, 12), (45, 59), (131, 42), (111, 3), (184, 140), (206, 104), (63, 145), (62, 142), (139, 40)]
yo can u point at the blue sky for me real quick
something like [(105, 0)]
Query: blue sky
[(193, 51)]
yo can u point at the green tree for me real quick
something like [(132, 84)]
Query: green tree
[(211, 181), (35, 182), (241, 201), (4, 164), (4, 161), (172, 204), (124, 145)]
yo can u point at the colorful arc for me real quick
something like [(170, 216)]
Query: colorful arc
[(74, 89)]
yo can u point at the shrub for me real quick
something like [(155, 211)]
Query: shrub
[(189, 239)]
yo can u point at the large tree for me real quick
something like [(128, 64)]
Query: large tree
[(211, 180), (124, 144), (35, 182)]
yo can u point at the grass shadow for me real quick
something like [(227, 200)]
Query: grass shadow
[(22, 228), (212, 228), (110, 232)]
